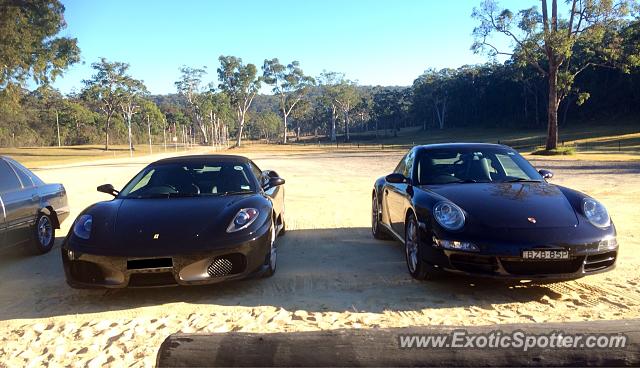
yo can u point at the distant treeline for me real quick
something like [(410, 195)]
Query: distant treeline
[(596, 79)]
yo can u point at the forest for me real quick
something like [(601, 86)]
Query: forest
[(563, 69)]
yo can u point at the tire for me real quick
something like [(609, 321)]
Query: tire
[(272, 256), (376, 229), (44, 235), (417, 267), (283, 230)]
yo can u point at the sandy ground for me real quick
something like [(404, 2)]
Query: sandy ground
[(331, 273)]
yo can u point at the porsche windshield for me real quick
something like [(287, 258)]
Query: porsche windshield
[(444, 166), (189, 180)]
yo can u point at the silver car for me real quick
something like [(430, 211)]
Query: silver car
[(31, 209)]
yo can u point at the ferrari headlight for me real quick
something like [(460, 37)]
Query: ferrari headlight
[(82, 227), (595, 212), (448, 215), (243, 219)]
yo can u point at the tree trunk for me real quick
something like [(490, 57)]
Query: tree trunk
[(284, 129), (552, 112), (346, 123), (149, 131), (241, 126), (106, 134), (333, 124), (58, 128), (130, 142)]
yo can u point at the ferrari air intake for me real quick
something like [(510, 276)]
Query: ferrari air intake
[(220, 267)]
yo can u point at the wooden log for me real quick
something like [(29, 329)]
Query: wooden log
[(381, 347)]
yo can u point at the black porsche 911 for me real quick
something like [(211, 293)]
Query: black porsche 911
[(184, 220), (482, 209)]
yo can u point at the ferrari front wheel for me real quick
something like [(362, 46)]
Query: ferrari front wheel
[(272, 256)]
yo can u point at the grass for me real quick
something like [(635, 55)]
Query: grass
[(561, 151), (49, 156), (607, 142)]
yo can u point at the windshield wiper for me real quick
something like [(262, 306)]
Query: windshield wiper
[(517, 180), (179, 195), (235, 192)]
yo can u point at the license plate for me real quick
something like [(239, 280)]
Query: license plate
[(546, 254)]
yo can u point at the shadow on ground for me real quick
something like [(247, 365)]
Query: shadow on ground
[(318, 270)]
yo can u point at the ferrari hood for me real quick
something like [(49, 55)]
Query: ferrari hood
[(142, 225), (511, 205)]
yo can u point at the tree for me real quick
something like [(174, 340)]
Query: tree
[(268, 123), (129, 93), (51, 100), (28, 46), (329, 82), (434, 87), (289, 84), (240, 83), (560, 48), (346, 97), (190, 86), (102, 90)]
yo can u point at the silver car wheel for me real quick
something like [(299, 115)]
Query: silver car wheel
[(411, 246), (45, 231)]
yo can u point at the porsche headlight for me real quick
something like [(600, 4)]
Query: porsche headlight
[(448, 215), (595, 212), (82, 227), (243, 219)]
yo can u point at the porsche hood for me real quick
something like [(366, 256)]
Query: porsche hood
[(511, 205)]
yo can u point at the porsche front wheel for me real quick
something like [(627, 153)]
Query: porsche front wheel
[(418, 268), (376, 228)]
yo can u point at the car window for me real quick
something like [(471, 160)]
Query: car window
[(400, 169), (192, 179), (8, 179), (457, 165), (256, 171), (408, 164), (510, 167), (34, 178), (23, 176)]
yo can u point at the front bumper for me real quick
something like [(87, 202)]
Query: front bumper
[(240, 261), (584, 259)]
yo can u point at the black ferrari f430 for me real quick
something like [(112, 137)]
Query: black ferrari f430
[(482, 209), (184, 220)]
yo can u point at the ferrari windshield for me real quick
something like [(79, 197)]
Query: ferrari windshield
[(190, 179), (465, 165)]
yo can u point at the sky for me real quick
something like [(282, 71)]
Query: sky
[(375, 42)]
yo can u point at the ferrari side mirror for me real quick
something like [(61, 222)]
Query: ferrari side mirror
[(546, 174), (273, 182), (109, 189)]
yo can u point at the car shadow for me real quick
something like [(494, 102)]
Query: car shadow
[(318, 270)]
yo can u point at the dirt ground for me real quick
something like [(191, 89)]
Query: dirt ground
[(331, 272)]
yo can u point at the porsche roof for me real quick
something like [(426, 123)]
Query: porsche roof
[(462, 145), (201, 158)]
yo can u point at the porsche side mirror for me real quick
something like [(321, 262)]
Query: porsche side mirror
[(546, 174), (109, 189), (274, 182), (397, 178)]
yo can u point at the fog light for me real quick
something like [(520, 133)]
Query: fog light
[(455, 245), (70, 254), (607, 244)]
